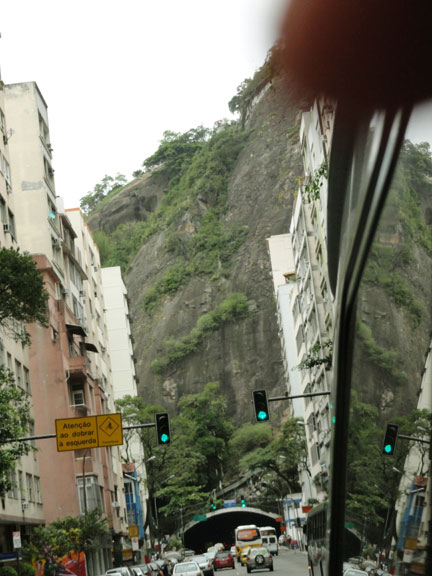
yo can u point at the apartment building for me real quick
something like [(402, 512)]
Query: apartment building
[(68, 368), (312, 306), (305, 315), (125, 384), (21, 508), (90, 305), (285, 288), (413, 510)]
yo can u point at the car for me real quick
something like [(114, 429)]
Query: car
[(138, 571), (186, 552), (270, 542), (144, 569), (243, 554), (155, 568), (355, 560), (123, 570), (354, 572), (258, 558), (205, 563), (233, 551), (211, 553), (223, 559), (187, 568)]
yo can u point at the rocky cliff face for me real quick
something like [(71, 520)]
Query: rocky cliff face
[(241, 355)]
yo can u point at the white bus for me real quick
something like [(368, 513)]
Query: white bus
[(269, 539), (247, 535)]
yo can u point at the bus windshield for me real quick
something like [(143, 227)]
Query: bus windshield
[(248, 535), (268, 531)]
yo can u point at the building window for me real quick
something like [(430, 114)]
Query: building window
[(9, 362), (21, 485), (37, 490), (299, 338), (2, 122), (18, 373), (6, 171), (30, 492), (314, 454), (78, 395), (2, 353), (11, 224), (44, 133), (3, 212), (13, 491), (93, 494), (26, 379), (296, 309)]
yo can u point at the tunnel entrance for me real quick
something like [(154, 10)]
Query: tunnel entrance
[(220, 525)]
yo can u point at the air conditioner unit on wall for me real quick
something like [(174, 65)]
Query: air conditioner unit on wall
[(116, 504)]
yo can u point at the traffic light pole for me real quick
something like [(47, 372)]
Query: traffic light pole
[(414, 439), (310, 395), (43, 436)]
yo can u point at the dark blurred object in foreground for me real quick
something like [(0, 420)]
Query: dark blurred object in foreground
[(366, 53)]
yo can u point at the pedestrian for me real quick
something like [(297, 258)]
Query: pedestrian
[(165, 569)]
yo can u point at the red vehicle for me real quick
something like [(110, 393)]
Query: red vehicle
[(223, 559)]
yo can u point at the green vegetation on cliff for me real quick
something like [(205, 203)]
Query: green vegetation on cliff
[(233, 308), (393, 247), (197, 165)]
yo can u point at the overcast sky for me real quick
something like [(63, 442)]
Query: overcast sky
[(115, 74)]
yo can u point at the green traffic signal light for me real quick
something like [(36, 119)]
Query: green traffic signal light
[(242, 502), (390, 439), (163, 428), (262, 413)]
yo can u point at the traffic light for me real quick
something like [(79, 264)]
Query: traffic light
[(163, 428), (260, 401), (242, 502), (212, 505), (390, 438)]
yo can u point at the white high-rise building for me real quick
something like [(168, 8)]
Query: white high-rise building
[(125, 383), (304, 302)]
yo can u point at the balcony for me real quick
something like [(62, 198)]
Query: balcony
[(78, 366), (79, 410)]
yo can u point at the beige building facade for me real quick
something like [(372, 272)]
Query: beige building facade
[(68, 364), (22, 507)]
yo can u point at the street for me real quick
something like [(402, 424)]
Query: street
[(292, 562)]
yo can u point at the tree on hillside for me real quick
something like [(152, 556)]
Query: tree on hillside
[(23, 298), (198, 452), (135, 411), (15, 423), (176, 151), (283, 457), (372, 478), (245, 441), (108, 185)]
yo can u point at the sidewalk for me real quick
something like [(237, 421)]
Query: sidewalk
[(285, 550)]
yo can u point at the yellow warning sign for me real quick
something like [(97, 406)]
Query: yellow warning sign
[(76, 433), (89, 432), (133, 531), (110, 431)]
